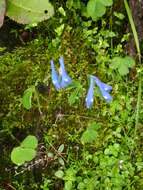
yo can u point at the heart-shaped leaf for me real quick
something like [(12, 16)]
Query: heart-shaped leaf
[(29, 11), (2, 11), (26, 151)]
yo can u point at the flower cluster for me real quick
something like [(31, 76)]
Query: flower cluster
[(63, 80), (104, 89)]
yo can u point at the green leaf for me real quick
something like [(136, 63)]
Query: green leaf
[(59, 174), (19, 155), (2, 11), (61, 148), (89, 136), (122, 64), (30, 142), (73, 96), (27, 97), (95, 9), (28, 12), (107, 2), (130, 62), (68, 185), (123, 69), (77, 88)]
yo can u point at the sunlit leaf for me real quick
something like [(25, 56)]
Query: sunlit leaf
[(28, 12), (30, 142)]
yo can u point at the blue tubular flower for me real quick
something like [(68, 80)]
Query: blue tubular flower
[(65, 79), (105, 86), (105, 94), (55, 78), (89, 97), (104, 89)]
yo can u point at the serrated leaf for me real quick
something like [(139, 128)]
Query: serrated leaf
[(2, 11), (122, 64), (20, 155), (89, 136), (95, 9), (28, 12), (30, 142), (27, 97)]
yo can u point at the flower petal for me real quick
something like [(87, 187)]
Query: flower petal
[(89, 97), (104, 89), (65, 79), (55, 78), (105, 94)]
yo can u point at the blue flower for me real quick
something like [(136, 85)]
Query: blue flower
[(89, 97), (55, 78), (105, 86), (104, 89), (63, 80)]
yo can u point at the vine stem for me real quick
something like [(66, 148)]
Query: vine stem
[(139, 56)]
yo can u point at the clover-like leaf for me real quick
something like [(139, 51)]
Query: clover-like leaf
[(26, 151)]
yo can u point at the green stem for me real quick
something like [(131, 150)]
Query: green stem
[(139, 56)]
